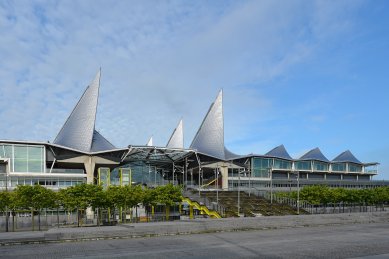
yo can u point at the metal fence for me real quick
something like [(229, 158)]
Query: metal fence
[(202, 200)]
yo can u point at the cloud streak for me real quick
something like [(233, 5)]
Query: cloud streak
[(160, 62)]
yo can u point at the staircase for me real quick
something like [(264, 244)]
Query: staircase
[(250, 206)]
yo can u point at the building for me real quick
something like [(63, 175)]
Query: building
[(79, 154)]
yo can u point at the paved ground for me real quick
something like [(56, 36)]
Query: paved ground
[(346, 241)]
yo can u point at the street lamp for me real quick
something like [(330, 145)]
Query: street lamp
[(239, 192), (6, 189), (298, 190), (271, 183), (216, 170)]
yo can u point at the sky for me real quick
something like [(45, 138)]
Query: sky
[(304, 74)]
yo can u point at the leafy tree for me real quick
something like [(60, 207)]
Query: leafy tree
[(34, 198), (168, 195), (5, 203), (80, 197)]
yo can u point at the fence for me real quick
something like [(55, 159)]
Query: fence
[(23, 221), (329, 208)]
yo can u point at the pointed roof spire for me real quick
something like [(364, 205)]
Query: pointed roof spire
[(347, 156), (177, 138), (78, 132), (314, 154), (279, 152), (150, 142), (209, 139)]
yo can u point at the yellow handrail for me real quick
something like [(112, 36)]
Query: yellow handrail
[(203, 208)]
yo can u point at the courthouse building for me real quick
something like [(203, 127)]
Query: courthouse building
[(79, 153)]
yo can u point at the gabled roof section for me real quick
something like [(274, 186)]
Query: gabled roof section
[(209, 139), (314, 154), (78, 132), (279, 152), (177, 138), (347, 156), (99, 143)]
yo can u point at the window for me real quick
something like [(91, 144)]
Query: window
[(24, 158), (303, 165), (282, 164), (320, 166), (261, 167), (339, 167), (354, 168)]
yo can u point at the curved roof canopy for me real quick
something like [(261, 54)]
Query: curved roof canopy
[(279, 152), (177, 138), (346, 156), (79, 132), (314, 154)]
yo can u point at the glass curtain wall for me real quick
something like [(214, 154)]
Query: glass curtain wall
[(24, 158), (354, 168), (303, 165), (320, 166), (282, 164), (338, 167), (261, 166)]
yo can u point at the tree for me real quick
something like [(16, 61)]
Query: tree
[(168, 195), (149, 198), (34, 198), (5, 202), (79, 198)]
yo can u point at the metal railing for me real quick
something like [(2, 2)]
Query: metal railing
[(202, 200)]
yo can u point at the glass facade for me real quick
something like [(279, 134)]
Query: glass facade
[(320, 166), (282, 164), (24, 158), (53, 182), (261, 167), (354, 168), (339, 167), (303, 165)]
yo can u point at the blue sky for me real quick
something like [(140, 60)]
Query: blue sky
[(304, 74)]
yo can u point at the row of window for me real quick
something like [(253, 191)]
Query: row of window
[(49, 182), (24, 158), (261, 166)]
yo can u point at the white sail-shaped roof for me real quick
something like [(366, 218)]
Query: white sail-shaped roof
[(209, 138), (78, 132), (150, 142), (177, 138)]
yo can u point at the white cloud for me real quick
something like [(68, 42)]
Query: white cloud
[(160, 62)]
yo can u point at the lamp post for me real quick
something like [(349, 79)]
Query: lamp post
[(217, 186), (271, 184), (6, 189), (238, 192), (298, 192), (249, 171)]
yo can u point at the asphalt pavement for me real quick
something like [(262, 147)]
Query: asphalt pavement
[(342, 241)]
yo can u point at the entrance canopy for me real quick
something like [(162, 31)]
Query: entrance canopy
[(158, 156)]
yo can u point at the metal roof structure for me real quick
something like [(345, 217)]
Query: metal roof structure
[(314, 154), (279, 152), (176, 140), (209, 139), (155, 155), (79, 132), (347, 156)]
